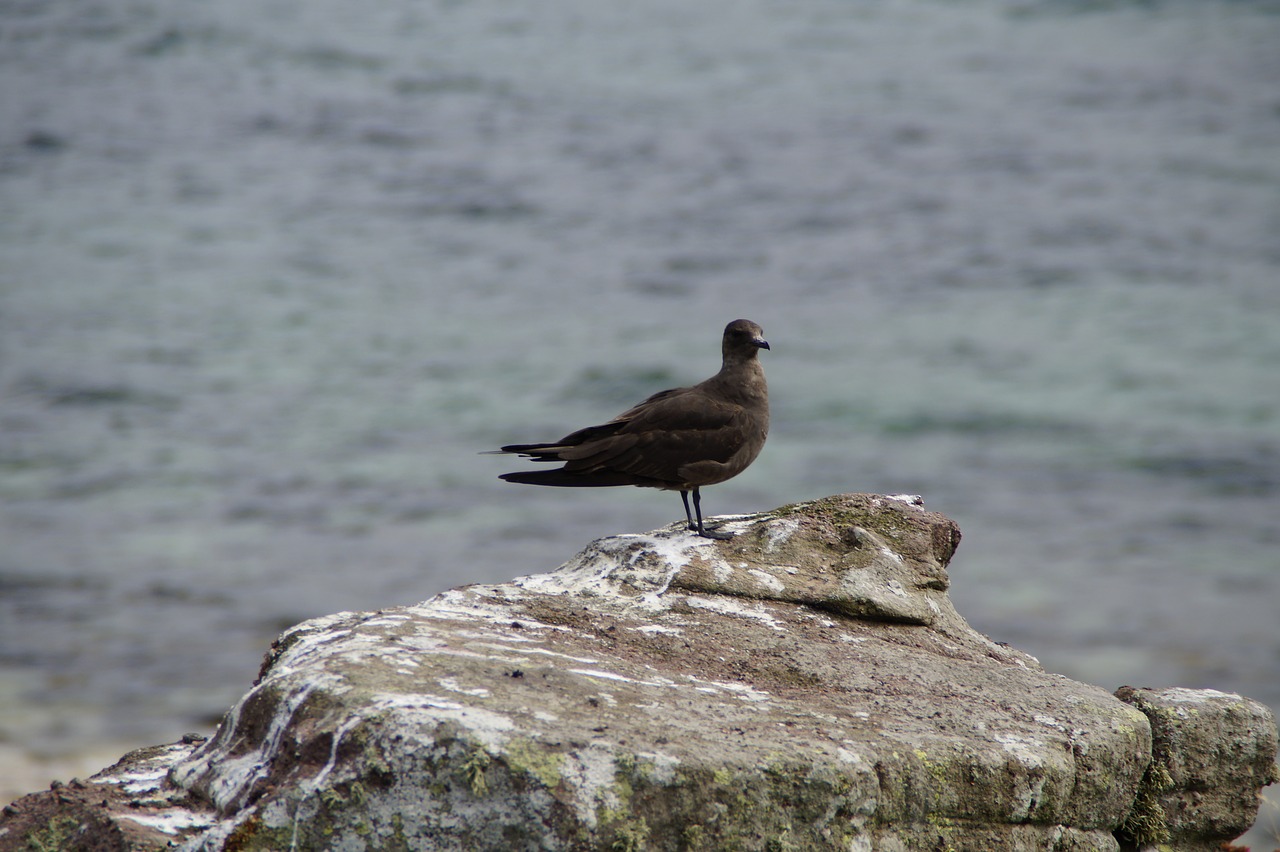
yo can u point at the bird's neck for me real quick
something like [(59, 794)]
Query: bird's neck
[(741, 379)]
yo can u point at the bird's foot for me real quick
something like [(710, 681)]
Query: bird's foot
[(715, 534)]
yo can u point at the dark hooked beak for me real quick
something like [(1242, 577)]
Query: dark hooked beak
[(760, 343)]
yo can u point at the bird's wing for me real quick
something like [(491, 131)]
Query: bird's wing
[(661, 435)]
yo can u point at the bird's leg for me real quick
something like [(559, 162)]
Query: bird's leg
[(706, 533), (688, 516)]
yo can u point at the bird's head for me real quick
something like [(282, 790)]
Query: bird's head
[(743, 338)]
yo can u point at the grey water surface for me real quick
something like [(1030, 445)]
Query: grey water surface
[(272, 274)]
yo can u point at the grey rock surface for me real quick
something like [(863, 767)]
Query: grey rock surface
[(806, 685), (1212, 753)]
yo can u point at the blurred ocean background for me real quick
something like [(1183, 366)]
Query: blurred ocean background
[(273, 273)]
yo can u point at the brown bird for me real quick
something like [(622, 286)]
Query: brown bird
[(676, 440)]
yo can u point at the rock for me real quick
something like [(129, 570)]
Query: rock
[(1212, 753), (127, 807), (805, 685)]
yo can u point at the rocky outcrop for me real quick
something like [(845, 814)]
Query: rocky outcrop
[(806, 685), (1212, 752)]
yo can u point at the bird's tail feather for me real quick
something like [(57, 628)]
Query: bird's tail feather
[(531, 448), (596, 479)]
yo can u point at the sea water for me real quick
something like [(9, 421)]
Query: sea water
[(273, 274)]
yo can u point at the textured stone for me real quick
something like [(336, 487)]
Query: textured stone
[(806, 685), (1212, 752)]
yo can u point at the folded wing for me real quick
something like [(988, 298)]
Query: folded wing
[(647, 445)]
